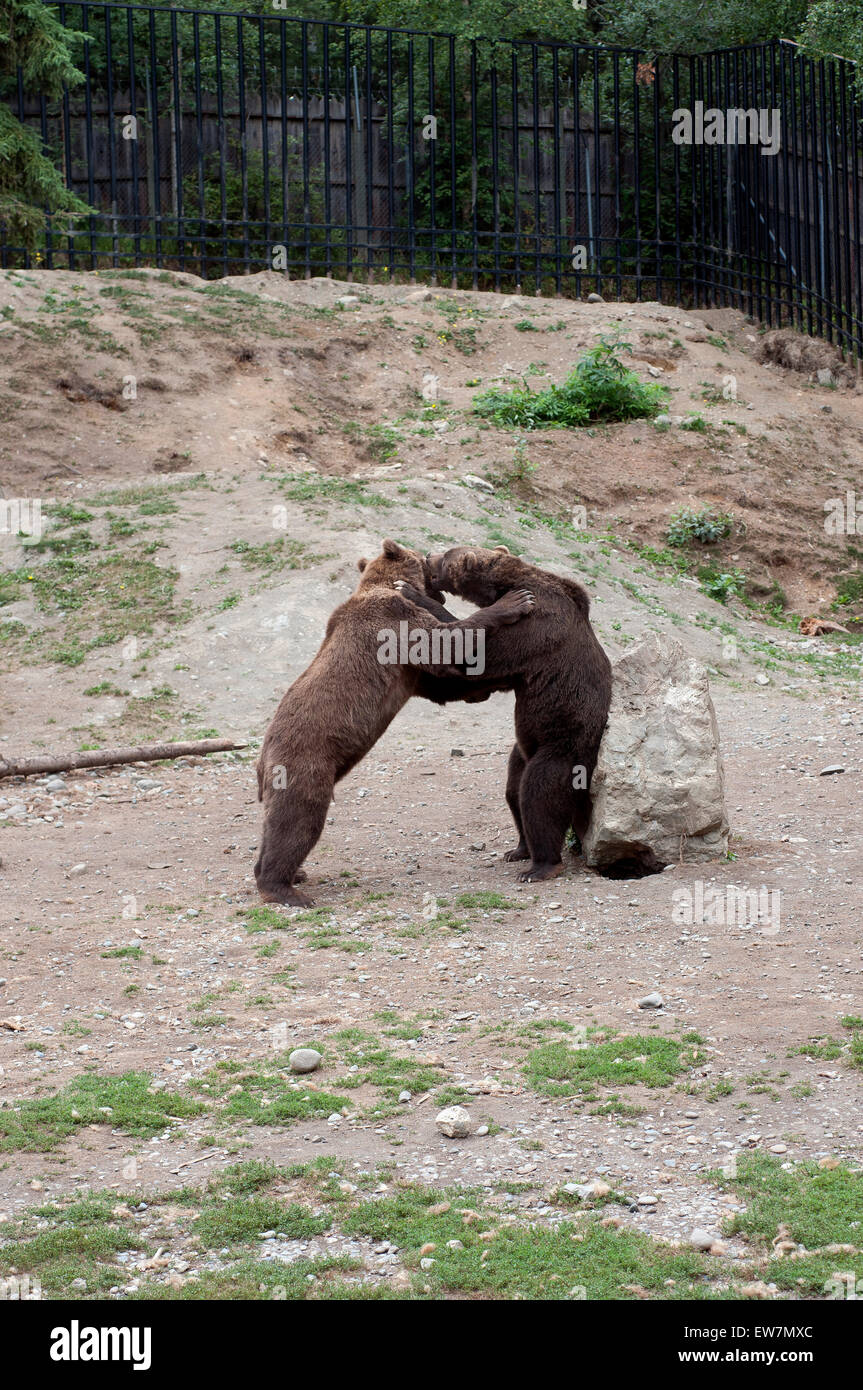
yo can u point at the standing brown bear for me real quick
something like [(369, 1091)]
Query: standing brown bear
[(562, 682), (339, 707)]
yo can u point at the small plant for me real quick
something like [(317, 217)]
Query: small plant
[(705, 526), (722, 585)]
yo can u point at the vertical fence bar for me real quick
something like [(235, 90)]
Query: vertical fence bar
[(133, 109), (155, 182), (349, 167), (220, 112), (432, 159), (307, 206), (856, 115), (675, 106), (112, 143), (556, 180), (597, 174), (495, 165), (474, 167), (838, 296), (285, 144), (411, 167), (391, 192), (244, 159), (369, 160), (516, 141), (657, 176), (809, 192), (618, 218), (265, 142), (328, 209), (453, 188), (576, 161), (177, 151), (199, 131), (537, 172), (88, 135), (846, 300)]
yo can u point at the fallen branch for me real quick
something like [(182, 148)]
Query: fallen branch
[(108, 757)]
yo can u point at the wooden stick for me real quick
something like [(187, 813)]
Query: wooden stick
[(108, 757)]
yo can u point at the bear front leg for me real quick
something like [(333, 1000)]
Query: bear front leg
[(429, 605)]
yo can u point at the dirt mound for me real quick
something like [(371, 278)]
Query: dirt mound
[(799, 353)]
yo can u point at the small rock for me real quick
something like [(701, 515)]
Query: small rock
[(651, 1001), (761, 679), (595, 299), (829, 770), (478, 484), (700, 1240), (77, 870), (348, 301), (454, 1122), (825, 377), (404, 1097), (304, 1059)]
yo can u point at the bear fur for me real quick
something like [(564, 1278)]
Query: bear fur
[(562, 682), (341, 704)]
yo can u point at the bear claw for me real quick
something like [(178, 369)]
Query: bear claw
[(538, 873)]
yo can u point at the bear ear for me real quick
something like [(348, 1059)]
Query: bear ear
[(361, 564), (504, 548), (393, 550)]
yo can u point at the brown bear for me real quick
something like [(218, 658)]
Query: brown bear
[(562, 682), (339, 707)]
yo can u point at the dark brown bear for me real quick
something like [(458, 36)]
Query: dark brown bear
[(339, 707), (562, 682)]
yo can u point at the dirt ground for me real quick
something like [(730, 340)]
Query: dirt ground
[(234, 396)]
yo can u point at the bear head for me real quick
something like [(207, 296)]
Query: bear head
[(480, 576), (395, 562)]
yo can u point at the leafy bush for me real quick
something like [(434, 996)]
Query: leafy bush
[(722, 585), (704, 525), (601, 387)]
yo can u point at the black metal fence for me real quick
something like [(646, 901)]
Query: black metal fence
[(222, 142)]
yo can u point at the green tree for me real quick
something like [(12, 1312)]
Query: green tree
[(834, 26), (32, 38)]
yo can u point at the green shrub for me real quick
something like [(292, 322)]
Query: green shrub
[(600, 388), (705, 526)]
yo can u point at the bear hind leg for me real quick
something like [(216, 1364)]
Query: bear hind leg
[(513, 785), (292, 827), (546, 804)]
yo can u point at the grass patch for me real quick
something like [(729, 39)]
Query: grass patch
[(317, 487), (244, 1218), (556, 1069), (124, 1102)]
